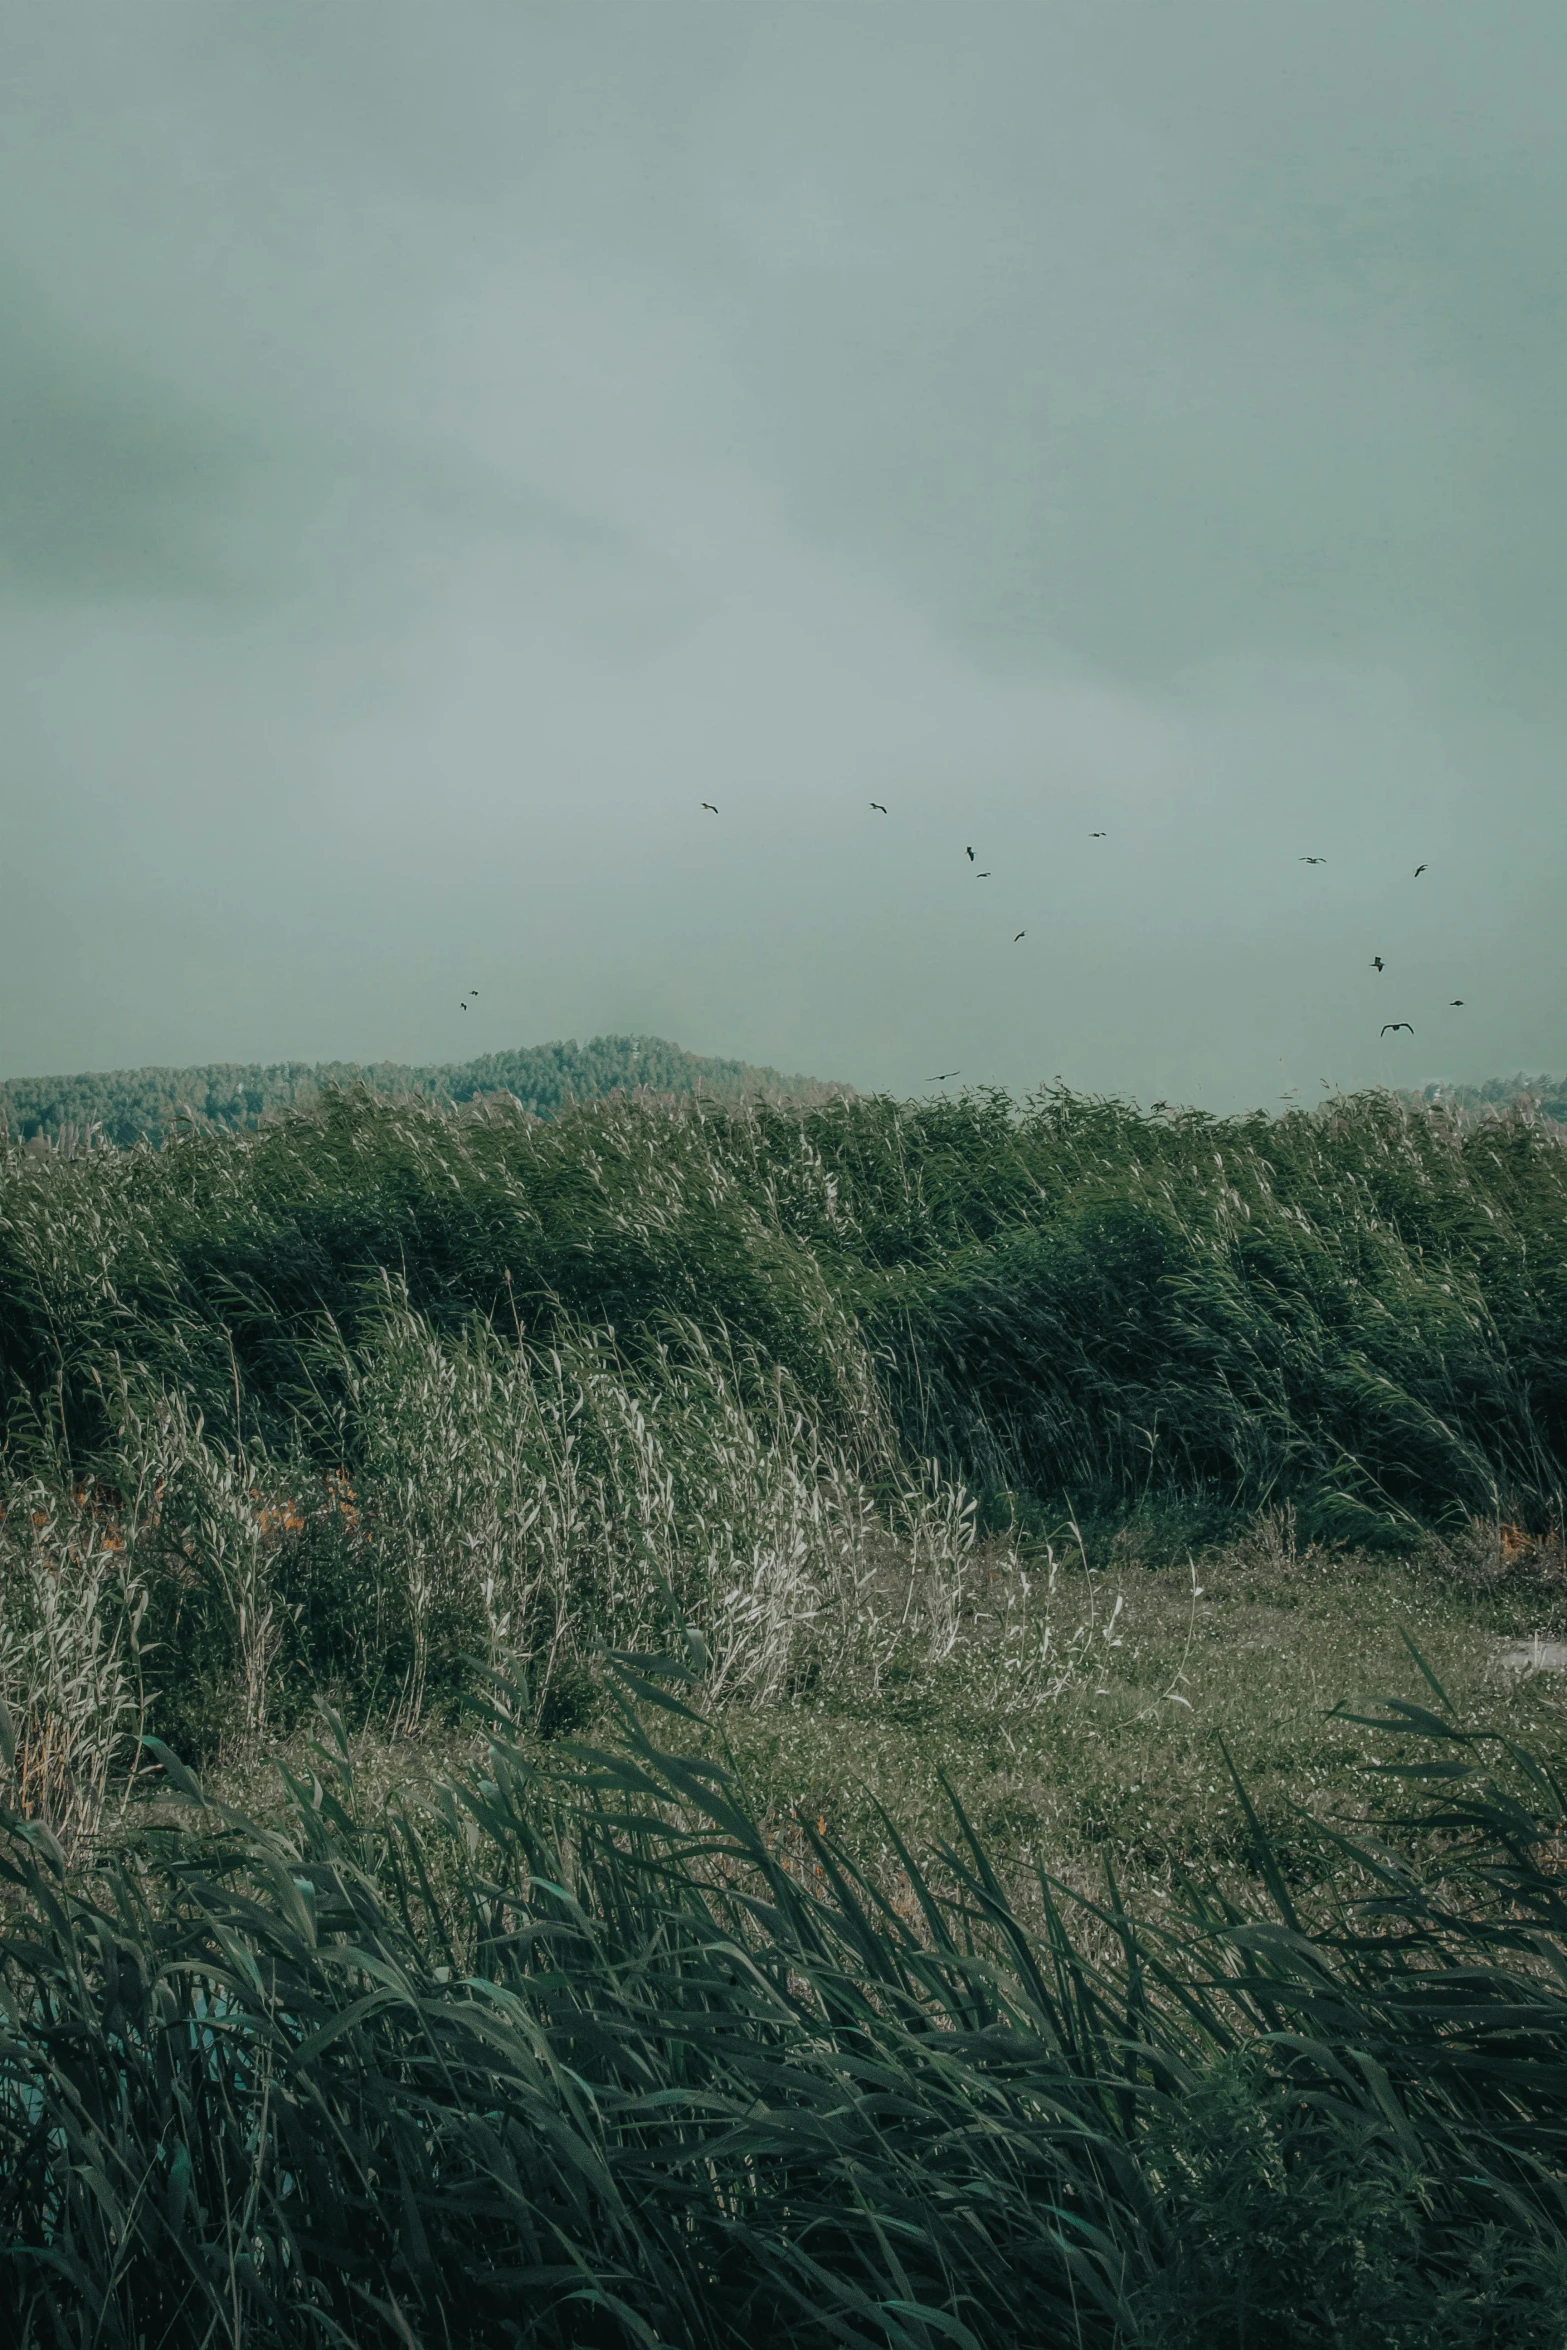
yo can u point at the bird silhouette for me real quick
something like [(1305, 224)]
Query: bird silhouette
[(1311, 860), (1021, 934), (880, 810), (462, 1007), (1419, 869), (969, 854), (708, 805), (1096, 836), (1377, 963), (1387, 1024), (1458, 1003), (942, 1075), (985, 876)]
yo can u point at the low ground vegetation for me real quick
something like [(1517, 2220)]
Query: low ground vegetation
[(569, 2050)]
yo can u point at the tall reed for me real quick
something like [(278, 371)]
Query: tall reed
[(378, 1387), (72, 1686)]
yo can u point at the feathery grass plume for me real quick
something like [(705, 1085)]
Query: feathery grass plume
[(495, 1497), (72, 1695)]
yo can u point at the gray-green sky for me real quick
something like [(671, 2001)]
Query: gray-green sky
[(443, 443)]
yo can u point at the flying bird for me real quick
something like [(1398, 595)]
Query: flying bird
[(1458, 1003), (1096, 836), (1387, 1024), (1377, 963), (708, 805), (969, 854), (880, 810), (1419, 869), (985, 876), (942, 1075), (1021, 934), (1311, 860)]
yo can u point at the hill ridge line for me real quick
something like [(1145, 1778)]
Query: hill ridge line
[(128, 1105)]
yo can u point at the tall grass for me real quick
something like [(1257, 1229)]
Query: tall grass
[(72, 1607), (496, 1499), (571, 2053), (1358, 1310), (379, 1388), (384, 1406)]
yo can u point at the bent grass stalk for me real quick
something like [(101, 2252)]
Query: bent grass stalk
[(568, 2053)]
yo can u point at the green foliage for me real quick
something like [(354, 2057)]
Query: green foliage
[(573, 2054), (596, 2043), (1359, 1310), (746, 1361), (1356, 1309), (1297, 2219)]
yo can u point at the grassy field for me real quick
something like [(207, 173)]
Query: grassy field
[(1018, 1512), (1089, 1719)]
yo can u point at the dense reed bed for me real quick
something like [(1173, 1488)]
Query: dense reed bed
[(380, 1388), (391, 1409), (1358, 1309)]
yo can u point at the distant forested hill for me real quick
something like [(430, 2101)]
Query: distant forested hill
[(126, 1104), (1546, 1094)]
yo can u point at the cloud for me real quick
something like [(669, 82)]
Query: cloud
[(111, 484), (449, 445), (1125, 337)]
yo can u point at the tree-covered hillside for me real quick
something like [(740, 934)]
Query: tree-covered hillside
[(1546, 1094), (127, 1104)]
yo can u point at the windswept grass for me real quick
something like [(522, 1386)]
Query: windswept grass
[(1358, 1310), (823, 2020), (573, 2055), (380, 1388)]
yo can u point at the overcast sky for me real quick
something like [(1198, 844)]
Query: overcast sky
[(444, 443)]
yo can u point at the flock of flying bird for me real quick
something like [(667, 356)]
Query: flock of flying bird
[(1377, 964), (1391, 1027)]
